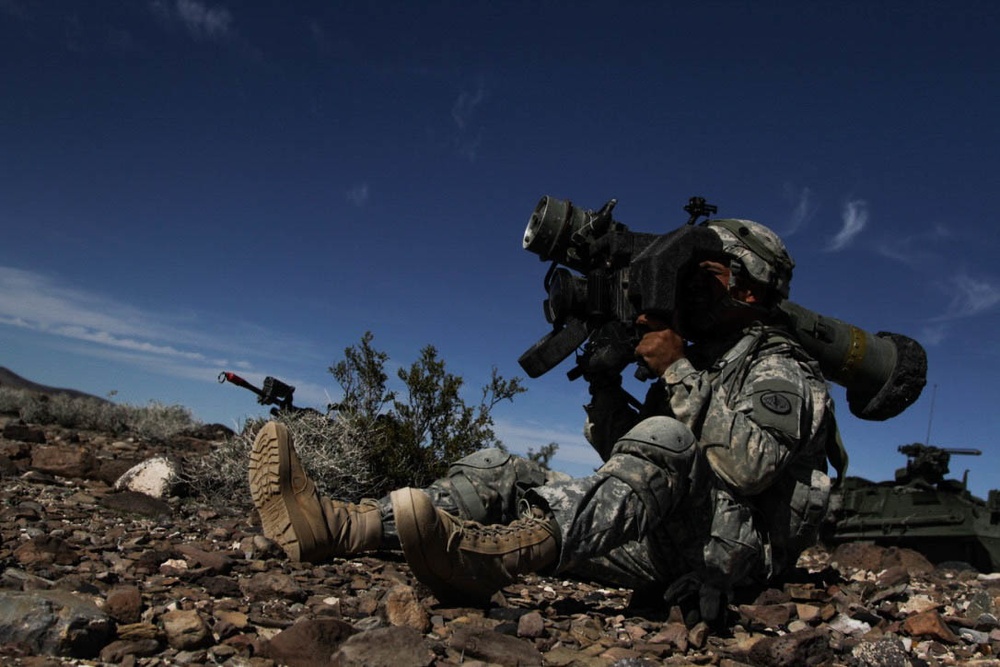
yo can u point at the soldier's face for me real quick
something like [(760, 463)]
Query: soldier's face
[(711, 282), (707, 301), (708, 284)]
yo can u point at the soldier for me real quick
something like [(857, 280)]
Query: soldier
[(717, 481)]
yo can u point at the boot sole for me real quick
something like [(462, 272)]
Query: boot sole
[(413, 512), (272, 492)]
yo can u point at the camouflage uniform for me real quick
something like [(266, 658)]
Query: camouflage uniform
[(719, 480)]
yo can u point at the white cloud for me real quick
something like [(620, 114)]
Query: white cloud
[(318, 36), (358, 195), (462, 111), (203, 21), (13, 8), (933, 334), (854, 220), (38, 303), (200, 20), (971, 297), (574, 456), (466, 104), (803, 207), (916, 250)]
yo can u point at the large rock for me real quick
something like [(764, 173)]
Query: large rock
[(387, 647), (308, 643), (491, 646), (54, 623), (24, 433), (65, 461)]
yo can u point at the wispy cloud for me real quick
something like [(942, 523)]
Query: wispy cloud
[(468, 139), (199, 19), (318, 36), (971, 296), (102, 326), (916, 250), (933, 334), (803, 207), (358, 195), (574, 456), (466, 105), (13, 8), (853, 221)]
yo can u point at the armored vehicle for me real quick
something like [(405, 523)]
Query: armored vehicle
[(920, 510)]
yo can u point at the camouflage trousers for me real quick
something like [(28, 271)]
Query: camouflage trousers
[(651, 516), (492, 486)]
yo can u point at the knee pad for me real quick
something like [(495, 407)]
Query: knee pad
[(474, 475), (482, 460), (656, 459)]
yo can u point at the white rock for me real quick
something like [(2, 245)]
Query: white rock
[(157, 477), (917, 604), (849, 626)]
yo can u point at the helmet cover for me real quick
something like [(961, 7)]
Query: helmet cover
[(761, 252)]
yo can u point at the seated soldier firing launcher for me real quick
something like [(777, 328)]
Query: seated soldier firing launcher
[(718, 479)]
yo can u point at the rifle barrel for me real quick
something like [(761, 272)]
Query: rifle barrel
[(239, 382)]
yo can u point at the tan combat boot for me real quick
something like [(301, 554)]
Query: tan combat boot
[(463, 559), (292, 513)]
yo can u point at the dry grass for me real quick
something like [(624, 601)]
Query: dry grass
[(331, 451), (153, 422), (337, 454)]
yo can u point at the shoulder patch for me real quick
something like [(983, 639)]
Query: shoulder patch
[(776, 403)]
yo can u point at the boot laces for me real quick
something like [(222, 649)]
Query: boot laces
[(492, 532)]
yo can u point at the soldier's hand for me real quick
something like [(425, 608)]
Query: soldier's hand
[(660, 345)]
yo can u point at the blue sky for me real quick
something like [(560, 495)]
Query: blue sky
[(191, 186)]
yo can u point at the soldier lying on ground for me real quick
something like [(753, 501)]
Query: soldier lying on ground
[(718, 481)]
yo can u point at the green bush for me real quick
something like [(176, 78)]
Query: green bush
[(376, 439), (410, 437)]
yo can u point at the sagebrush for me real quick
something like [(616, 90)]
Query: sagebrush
[(154, 421), (331, 451), (376, 439)]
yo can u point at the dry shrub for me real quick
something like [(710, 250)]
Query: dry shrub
[(331, 451), (155, 421)]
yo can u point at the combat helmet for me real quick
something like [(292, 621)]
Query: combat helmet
[(762, 254)]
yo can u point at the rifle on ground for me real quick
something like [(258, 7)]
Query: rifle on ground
[(272, 392)]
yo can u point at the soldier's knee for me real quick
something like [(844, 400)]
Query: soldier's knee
[(662, 441), (656, 459), (477, 482), (481, 461)]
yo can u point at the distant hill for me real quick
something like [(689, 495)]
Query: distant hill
[(9, 378)]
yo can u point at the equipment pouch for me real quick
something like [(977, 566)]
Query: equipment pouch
[(809, 504)]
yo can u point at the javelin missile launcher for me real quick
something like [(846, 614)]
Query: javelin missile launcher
[(921, 510)]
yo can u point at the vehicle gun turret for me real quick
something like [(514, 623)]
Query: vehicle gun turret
[(927, 464), (922, 510)]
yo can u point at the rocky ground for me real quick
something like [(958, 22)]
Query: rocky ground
[(95, 575)]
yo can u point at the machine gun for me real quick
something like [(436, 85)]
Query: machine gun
[(272, 392), (620, 273), (920, 510), (927, 464)]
